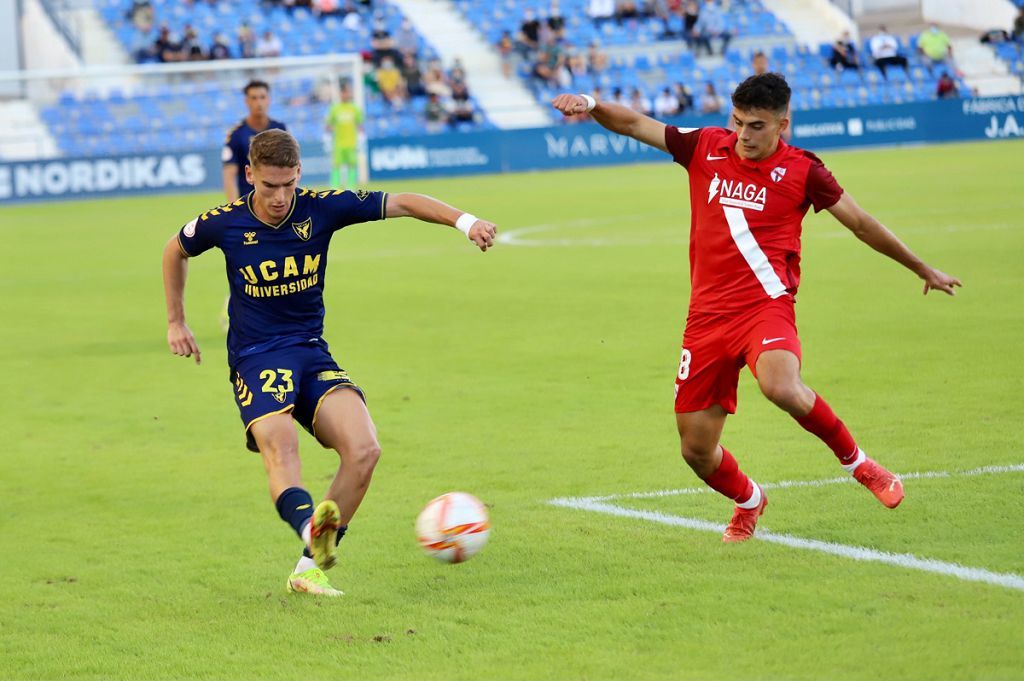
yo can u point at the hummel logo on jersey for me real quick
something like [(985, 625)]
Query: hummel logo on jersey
[(778, 173), (716, 158), (250, 239), (766, 341)]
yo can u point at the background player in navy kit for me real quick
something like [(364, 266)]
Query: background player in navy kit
[(235, 154), (275, 243), (236, 148)]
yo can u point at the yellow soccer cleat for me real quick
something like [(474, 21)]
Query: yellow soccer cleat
[(323, 534), (313, 582)]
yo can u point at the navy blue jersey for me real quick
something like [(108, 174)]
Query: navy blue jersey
[(276, 272), (236, 150)]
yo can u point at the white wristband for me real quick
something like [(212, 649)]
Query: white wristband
[(465, 221), (591, 102)]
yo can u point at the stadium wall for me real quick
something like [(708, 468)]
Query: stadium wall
[(510, 151)]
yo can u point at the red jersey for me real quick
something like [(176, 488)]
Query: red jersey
[(746, 217)]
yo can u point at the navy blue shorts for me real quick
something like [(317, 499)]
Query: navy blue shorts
[(293, 379)]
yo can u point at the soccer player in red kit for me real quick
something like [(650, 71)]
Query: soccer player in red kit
[(749, 191)]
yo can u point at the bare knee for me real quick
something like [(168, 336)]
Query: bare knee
[(279, 452), (360, 460), (787, 395), (699, 456)]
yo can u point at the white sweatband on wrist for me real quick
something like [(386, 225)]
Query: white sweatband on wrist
[(591, 102), (465, 221)]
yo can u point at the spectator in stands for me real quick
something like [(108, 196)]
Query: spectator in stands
[(506, 49), (666, 104), (597, 59), (935, 46), (406, 39), (220, 49), (382, 44), (143, 47), (946, 88), (617, 96), (325, 8), (844, 53), (885, 51), (350, 17), (391, 84), (691, 14), (246, 41), (710, 101), (462, 112), (191, 48), (457, 73), (269, 45), (1018, 25), (684, 96), (640, 103), (434, 80), (528, 40), (600, 11), (412, 75), (665, 10), (556, 22), (577, 65), (759, 63), (435, 113), (629, 9), (711, 24), (551, 67), (167, 46), (141, 15)]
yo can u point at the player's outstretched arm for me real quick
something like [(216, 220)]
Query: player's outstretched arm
[(429, 209), (179, 336), (616, 118), (874, 234)]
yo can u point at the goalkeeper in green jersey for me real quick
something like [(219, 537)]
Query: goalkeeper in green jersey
[(344, 120)]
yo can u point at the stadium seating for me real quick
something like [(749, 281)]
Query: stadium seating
[(640, 57), (197, 114)]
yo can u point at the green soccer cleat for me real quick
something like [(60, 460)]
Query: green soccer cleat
[(314, 582), (323, 533)]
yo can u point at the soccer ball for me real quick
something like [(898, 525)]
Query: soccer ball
[(453, 527)]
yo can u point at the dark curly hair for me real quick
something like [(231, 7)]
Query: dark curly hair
[(768, 91)]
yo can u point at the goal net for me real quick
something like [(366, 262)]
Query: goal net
[(174, 108)]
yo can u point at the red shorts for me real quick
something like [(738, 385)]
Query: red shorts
[(715, 348)]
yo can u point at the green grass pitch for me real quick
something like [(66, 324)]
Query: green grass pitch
[(137, 539)]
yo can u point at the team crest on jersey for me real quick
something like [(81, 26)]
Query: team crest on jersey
[(303, 229), (778, 173), (361, 194), (279, 397), (250, 239)]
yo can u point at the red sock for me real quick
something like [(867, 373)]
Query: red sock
[(729, 480), (824, 423)]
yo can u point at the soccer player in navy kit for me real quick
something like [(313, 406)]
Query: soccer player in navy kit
[(275, 243), (236, 147)]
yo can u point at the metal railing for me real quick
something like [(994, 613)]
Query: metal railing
[(62, 14)]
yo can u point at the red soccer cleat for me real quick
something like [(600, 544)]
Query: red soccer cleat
[(886, 486), (744, 520)]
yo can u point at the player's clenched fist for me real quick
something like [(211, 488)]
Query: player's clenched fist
[(482, 234), (570, 105)]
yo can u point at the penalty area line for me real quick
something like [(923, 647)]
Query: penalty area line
[(908, 561)]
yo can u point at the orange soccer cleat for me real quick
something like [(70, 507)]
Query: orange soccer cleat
[(744, 520), (886, 486)]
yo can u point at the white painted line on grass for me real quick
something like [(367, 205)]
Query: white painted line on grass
[(784, 484), (1008, 580)]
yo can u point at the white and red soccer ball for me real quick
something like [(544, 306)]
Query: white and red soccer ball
[(453, 527)]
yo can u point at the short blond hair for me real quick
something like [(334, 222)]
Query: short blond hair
[(275, 148)]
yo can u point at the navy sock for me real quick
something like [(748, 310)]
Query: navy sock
[(295, 507)]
